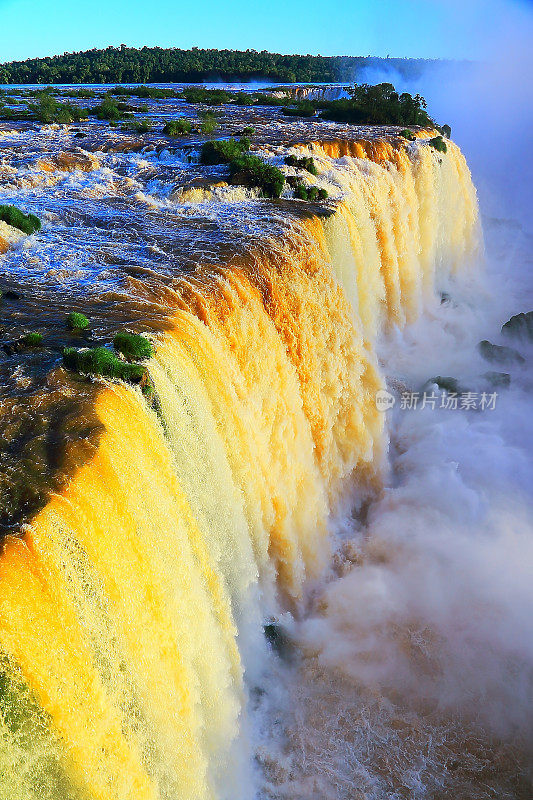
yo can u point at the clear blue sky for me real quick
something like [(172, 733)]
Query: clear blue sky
[(428, 28)]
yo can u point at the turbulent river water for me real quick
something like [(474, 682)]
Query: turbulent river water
[(256, 581)]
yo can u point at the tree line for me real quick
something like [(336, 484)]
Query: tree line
[(171, 65)]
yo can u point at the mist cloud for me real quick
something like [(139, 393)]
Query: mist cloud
[(489, 103)]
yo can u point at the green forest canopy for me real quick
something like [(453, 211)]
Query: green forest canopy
[(172, 65)]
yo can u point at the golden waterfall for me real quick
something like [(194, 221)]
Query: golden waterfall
[(132, 603)]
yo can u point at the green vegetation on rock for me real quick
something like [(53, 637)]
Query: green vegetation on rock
[(133, 346), (245, 168), (178, 127), (310, 193), (438, 144), (77, 321), (107, 110), (264, 99), (302, 109), (32, 339), (212, 97), (146, 92), (141, 126), (223, 151), (48, 110), (103, 362), (305, 162), (300, 191), (27, 223), (377, 105), (82, 94), (251, 170), (110, 110), (9, 114), (209, 123)]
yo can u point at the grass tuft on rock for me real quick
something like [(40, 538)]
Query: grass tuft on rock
[(141, 126), (133, 346), (32, 339), (209, 123), (27, 223), (77, 321), (178, 127), (223, 151), (103, 362)]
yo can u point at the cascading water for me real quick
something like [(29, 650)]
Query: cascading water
[(132, 603)]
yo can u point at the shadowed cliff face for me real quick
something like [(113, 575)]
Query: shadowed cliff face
[(46, 435)]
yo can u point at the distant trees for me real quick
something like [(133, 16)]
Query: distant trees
[(171, 65), (378, 105)]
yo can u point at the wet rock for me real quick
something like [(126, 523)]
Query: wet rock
[(26, 342), (279, 640), (10, 348), (197, 190), (9, 294), (498, 354), (446, 383), (70, 161), (520, 326), (498, 379)]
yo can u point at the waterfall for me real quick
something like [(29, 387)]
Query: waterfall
[(132, 603)]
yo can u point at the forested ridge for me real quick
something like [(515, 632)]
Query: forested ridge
[(171, 65)]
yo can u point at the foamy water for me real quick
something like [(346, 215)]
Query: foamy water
[(413, 668)]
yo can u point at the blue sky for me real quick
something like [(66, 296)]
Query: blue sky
[(428, 28)]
